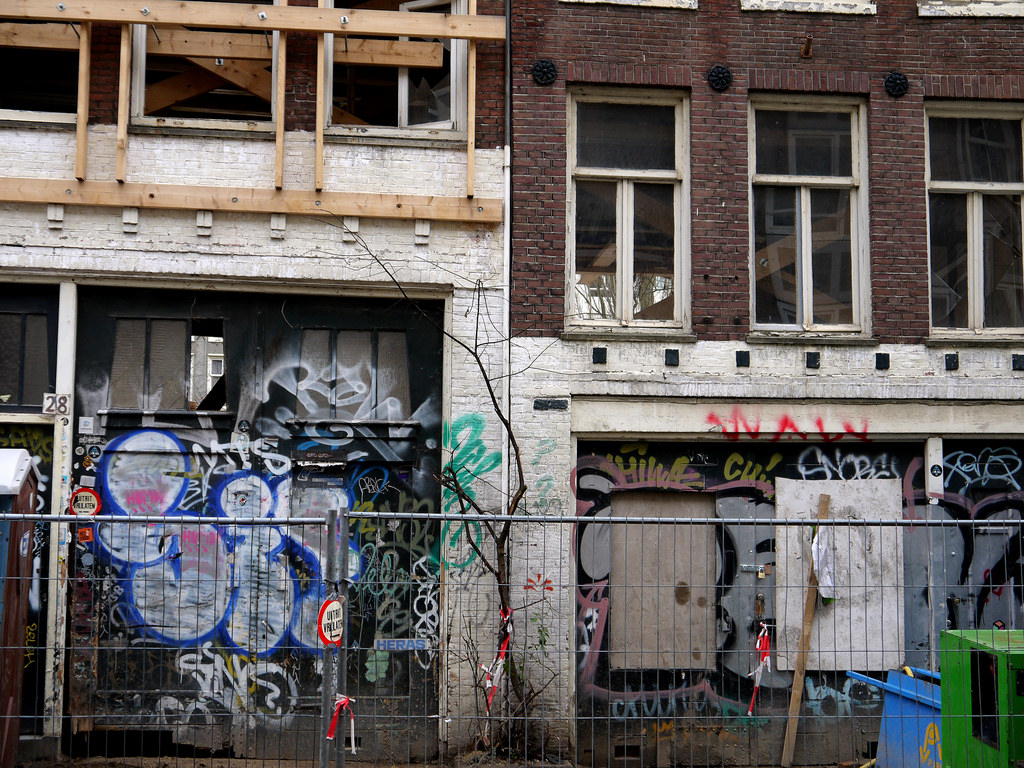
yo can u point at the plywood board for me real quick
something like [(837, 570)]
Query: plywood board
[(662, 583), (863, 628)]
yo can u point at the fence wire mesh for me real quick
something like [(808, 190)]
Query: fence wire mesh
[(671, 630)]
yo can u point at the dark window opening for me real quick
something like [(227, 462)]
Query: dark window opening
[(24, 359), (984, 701), (46, 81)]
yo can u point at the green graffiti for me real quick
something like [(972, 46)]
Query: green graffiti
[(470, 460)]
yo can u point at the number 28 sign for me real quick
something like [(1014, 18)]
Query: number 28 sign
[(331, 622)]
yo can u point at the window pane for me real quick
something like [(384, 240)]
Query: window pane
[(353, 378), (596, 256), (392, 377), (975, 149), (804, 143), (129, 365), (775, 254), (37, 360), (948, 241), (654, 251), (313, 389), (10, 358), (831, 257), (1004, 293), (625, 136), (168, 356)]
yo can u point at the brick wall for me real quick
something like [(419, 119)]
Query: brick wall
[(953, 58)]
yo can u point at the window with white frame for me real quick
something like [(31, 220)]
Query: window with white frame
[(628, 169), (405, 83), (975, 186), (201, 77), (807, 209)]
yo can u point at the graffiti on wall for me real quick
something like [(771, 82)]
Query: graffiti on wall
[(217, 617), (955, 576)]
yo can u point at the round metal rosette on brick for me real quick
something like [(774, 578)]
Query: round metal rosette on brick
[(719, 77), (896, 84), (544, 72)]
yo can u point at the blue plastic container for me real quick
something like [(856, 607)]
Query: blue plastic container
[(911, 719)]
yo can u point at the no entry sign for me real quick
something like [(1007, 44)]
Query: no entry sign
[(331, 622), (85, 501)]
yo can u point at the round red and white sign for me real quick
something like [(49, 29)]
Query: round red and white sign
[(85, 501), (331, 622)]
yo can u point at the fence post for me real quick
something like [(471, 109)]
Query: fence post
[(328, 683), (341, 686)]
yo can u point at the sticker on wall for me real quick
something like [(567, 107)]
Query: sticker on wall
[(85, 501)]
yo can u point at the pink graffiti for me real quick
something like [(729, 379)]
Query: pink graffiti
[(737, 425), (145, 500)]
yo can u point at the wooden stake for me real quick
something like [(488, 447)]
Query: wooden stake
[(282, 58), (123, 87), (800, 669), (321, 87), (82, 114)]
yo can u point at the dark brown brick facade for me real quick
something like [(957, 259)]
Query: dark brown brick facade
[(948, 58)]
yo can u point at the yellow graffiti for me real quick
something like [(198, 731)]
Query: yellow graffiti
[(932, 738), (739, 468)]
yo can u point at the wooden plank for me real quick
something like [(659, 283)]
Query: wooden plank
[(247, 17), (251, 76), (54, 37), (279, 107), (471, 113), (250, 200), (179, 88), (123, 104), (800, 668), (321, 96), (82, 111), (359, 50)]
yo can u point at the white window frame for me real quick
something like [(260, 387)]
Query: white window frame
[(459, 56), (138, 93), (863, 7), (856, 183), (686, 5), (975, 217), (625, 178), (985, 8)]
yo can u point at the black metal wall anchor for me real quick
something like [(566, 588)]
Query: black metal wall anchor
[(544, 72), (896, 84), (719, 77)]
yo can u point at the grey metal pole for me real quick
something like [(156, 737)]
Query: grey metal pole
[(328, 683), (342, 685)]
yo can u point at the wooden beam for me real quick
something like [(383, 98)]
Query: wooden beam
[(800, 668), (321, 96), (239, 45), (279, 107), (82, 112), (251, 76), (123, 103), (247, 17), (180, 87), (471, 112), (249, 200), (54, 37)]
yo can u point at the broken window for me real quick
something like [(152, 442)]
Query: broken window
[(626, 208), (191, 73), (161, 364), (45, 58), (353, 375), (976, 181), (806, 211), (398, 82)]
